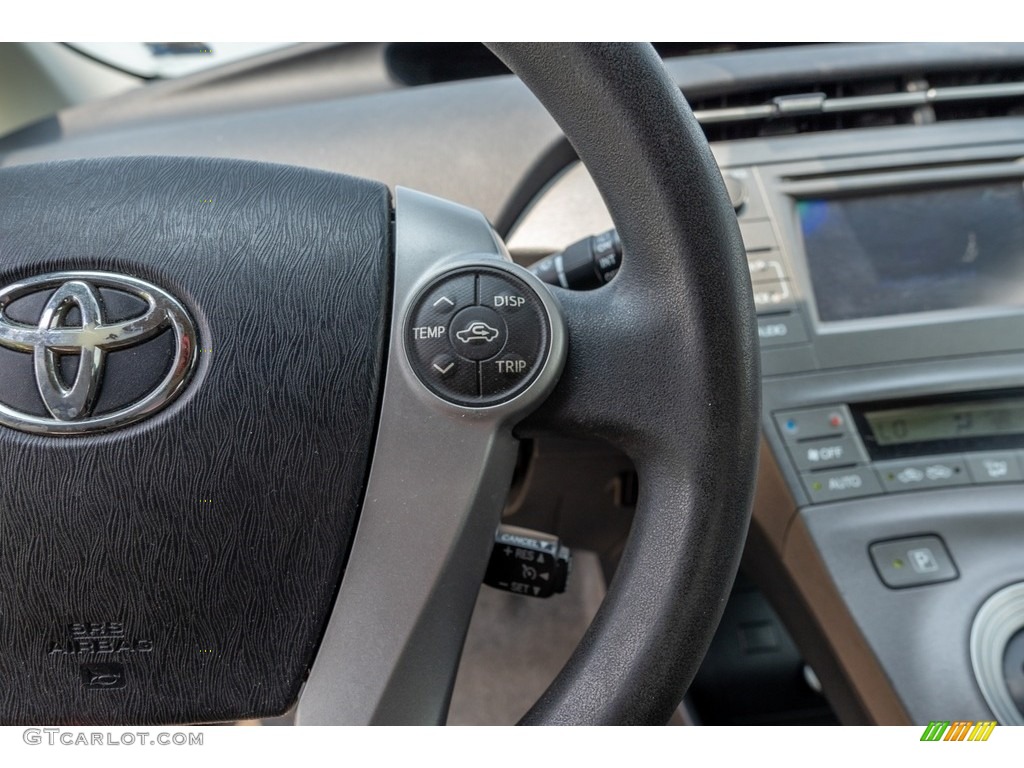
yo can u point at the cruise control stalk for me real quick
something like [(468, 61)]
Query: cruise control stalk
[(528, 562)]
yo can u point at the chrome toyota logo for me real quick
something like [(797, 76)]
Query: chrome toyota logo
[(91, 337)]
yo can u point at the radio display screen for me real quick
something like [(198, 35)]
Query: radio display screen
[(947, 421), (915, 251)]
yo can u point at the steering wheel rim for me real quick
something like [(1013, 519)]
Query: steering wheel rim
[(694, 435), (661, 363)]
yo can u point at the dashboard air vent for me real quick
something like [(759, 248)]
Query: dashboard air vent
[(903, 99)]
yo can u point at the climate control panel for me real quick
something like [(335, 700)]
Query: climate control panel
[(835, 461)]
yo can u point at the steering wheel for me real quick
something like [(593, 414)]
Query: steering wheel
[(252, 463)]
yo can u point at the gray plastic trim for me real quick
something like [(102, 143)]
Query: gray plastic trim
[(999, 619), (436, 488), (919, 635), (735, 114), (922, 635)]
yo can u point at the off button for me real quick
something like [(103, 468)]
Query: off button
[(830, 452)]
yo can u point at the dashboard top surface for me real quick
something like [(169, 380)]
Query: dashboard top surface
[(486, 143)]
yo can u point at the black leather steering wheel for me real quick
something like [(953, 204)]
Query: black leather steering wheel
[(298, 517)]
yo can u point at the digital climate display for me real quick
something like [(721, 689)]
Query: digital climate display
[(915, 251), (947, 421)]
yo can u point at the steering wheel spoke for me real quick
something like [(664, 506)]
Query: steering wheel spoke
[(440, 474)]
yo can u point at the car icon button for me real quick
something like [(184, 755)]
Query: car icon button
[(477, 333)]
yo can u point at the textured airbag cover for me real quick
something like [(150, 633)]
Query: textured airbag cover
[(181, 569)]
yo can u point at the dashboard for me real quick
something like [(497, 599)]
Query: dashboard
[(879, 191)]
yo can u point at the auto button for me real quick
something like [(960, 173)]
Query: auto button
[(841, 484)]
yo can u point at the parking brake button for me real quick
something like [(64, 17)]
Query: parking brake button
[(913, 562)]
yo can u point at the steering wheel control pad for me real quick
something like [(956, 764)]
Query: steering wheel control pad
[(477, 336)]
